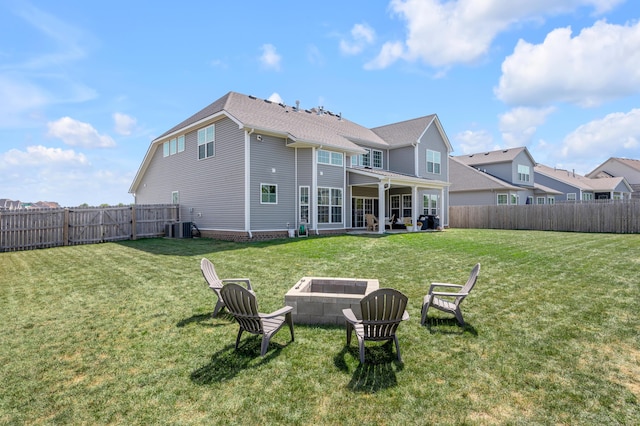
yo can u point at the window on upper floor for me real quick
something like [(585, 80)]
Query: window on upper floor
[(524, 173), (330, 157), (433, 162), (206, 142), (268, 193), (372, 158), (173, 146)]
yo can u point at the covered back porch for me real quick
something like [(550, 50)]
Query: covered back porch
[(409, 200)]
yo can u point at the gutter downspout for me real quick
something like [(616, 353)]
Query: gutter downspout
[(247, 183)]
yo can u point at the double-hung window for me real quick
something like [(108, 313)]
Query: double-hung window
[(329, 205), (524, 174), (372, 158), (434, 162), (206, 142), (268, 193), (430, 204)]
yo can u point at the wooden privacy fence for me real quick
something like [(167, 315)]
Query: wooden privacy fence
[(31, 229), (620, 217)]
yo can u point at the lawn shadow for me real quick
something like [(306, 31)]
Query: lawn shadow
[(449, 326), (377, 373), (229, 362), (204, 320)]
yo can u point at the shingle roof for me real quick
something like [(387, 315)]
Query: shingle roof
[(579, 181), (491, 157), (405, 132), (466, 178), (323, 128)]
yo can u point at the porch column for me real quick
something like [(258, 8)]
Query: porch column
[(414, 208), (440, 206), (381, 208)]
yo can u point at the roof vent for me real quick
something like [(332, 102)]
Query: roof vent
[(297, 105)]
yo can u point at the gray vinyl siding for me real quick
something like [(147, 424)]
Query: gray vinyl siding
[(558, 186), (522, 159), (333, 177), (212, 187), (402, 160), (432, 140), (477, 198), (266, 156)]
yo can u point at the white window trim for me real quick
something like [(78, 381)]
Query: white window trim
[(333, 157), (434, 162), (205, 141), (262, 185), (307, 204), (506, 203), (330, 205)]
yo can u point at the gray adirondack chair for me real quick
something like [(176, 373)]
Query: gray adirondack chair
[(242, 304), (382, 311), (215, 283), (449, 301)]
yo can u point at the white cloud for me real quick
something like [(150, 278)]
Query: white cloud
[(39, 155), (618, 134), (577, 70), (77, 133), (270, 59), (275, 97), (124, 124), (362, 35), (442, 33), (473, 141), (520, 124), (314, 56)]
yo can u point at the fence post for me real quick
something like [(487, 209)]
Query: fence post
[(134, 233), (65, 228)]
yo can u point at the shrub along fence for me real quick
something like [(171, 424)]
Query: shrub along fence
[(617, 216), (41, 228)]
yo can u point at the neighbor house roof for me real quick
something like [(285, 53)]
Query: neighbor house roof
[(629, 162), (581, 182), (465, 178), (493, 157)]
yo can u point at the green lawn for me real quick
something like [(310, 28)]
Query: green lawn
[(121, 333)]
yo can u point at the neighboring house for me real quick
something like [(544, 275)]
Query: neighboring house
[(6, 204), (244, 168), (620, 167), (575, 187), (501, 177)]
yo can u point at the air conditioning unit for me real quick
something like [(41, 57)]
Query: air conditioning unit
[(182, 230)]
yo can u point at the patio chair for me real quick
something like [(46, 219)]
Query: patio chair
[(449, 301), (242, 304), (372, 222), (382, 311), (215, 283)]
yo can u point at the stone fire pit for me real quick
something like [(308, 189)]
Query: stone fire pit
[(320, 300)]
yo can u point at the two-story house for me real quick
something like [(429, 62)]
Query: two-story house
[(501, 177), (575, 187), (247, 168), (627, 168)]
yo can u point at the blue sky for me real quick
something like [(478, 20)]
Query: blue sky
[(86, 86)]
